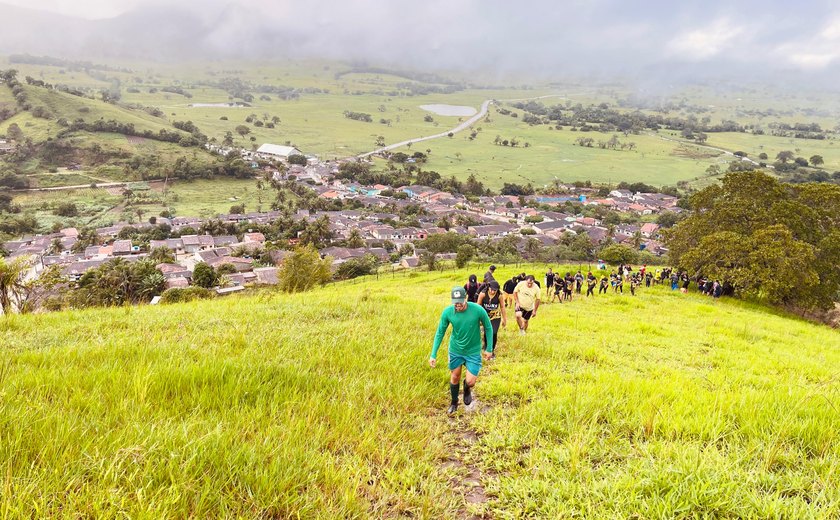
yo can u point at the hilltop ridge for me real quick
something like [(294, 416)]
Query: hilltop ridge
[(322, 405)]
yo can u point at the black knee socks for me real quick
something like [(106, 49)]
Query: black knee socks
[(453, 390)]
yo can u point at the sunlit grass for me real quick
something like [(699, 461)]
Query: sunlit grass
[(322, 405)]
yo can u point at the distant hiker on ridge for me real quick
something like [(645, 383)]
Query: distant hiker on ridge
[(464, 343)]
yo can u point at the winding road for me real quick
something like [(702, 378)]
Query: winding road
[(461, 127)]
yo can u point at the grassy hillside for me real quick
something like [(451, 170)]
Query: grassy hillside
[(69, 107), (323, 406), (312, 118)]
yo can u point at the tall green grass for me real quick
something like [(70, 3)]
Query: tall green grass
[(322, 405)]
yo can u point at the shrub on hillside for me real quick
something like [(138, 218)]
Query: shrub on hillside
[(466, 253), (67, 209), (118, 282), (357, 267), (618, 254), (187, 294), (204, 275), (304, 269)]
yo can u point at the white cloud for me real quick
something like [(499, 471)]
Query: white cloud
[(91, 9), (706, 42), (813, 53)]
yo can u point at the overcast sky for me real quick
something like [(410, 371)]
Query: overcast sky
[(537, 35)]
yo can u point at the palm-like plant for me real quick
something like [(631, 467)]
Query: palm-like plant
[(12, 285)]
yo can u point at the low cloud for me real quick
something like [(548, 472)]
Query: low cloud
[(706, 42), (537, 37)]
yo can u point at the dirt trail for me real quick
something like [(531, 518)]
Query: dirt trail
[(468, 482)]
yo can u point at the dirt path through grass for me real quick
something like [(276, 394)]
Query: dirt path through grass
[(468, 483)]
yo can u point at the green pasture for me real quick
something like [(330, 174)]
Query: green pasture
[(754, 145), (661, 405), (198, 198), (209, 197), (554, 155), (315, 122), (94, 207)]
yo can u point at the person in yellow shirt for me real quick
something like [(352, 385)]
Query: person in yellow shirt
[(527, 297)]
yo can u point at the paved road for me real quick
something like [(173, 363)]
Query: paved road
[(463, 126)]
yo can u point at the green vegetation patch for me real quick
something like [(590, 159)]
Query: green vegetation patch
[(317, 406)]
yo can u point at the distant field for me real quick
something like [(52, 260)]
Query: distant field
[(661, 405), (94, 205), (50, 180), (553, 154), (756, 144), (315, 121), (200, 198), (208, 198)]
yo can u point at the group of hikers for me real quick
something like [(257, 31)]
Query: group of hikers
[(476, 307), (479, 309)]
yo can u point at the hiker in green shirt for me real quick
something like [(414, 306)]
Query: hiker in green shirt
[(464, 343)]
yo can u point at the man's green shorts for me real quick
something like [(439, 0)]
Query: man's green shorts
[(473, 362)]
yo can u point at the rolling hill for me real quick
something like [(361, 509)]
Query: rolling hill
[(322, 405)]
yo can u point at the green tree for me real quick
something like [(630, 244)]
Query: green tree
[(162, 255), (304, 269), (618, 254), (14, 133), (298, 159), (816, 160), (354, 239), (317, 233), (465, 254), (768, 240), (224, 269), (429, 259), (667, 219), (204, 275), (356, 267), (784, 156), (242, 130), (118, 282)]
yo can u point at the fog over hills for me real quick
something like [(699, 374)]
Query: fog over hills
[(540, 38)]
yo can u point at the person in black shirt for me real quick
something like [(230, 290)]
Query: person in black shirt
[(472, 289), (578, 281), (569, 286), (549, 280), (602, 288), (488, 276), (590, 284), (559, 286), (508, 288), (493, 302)]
